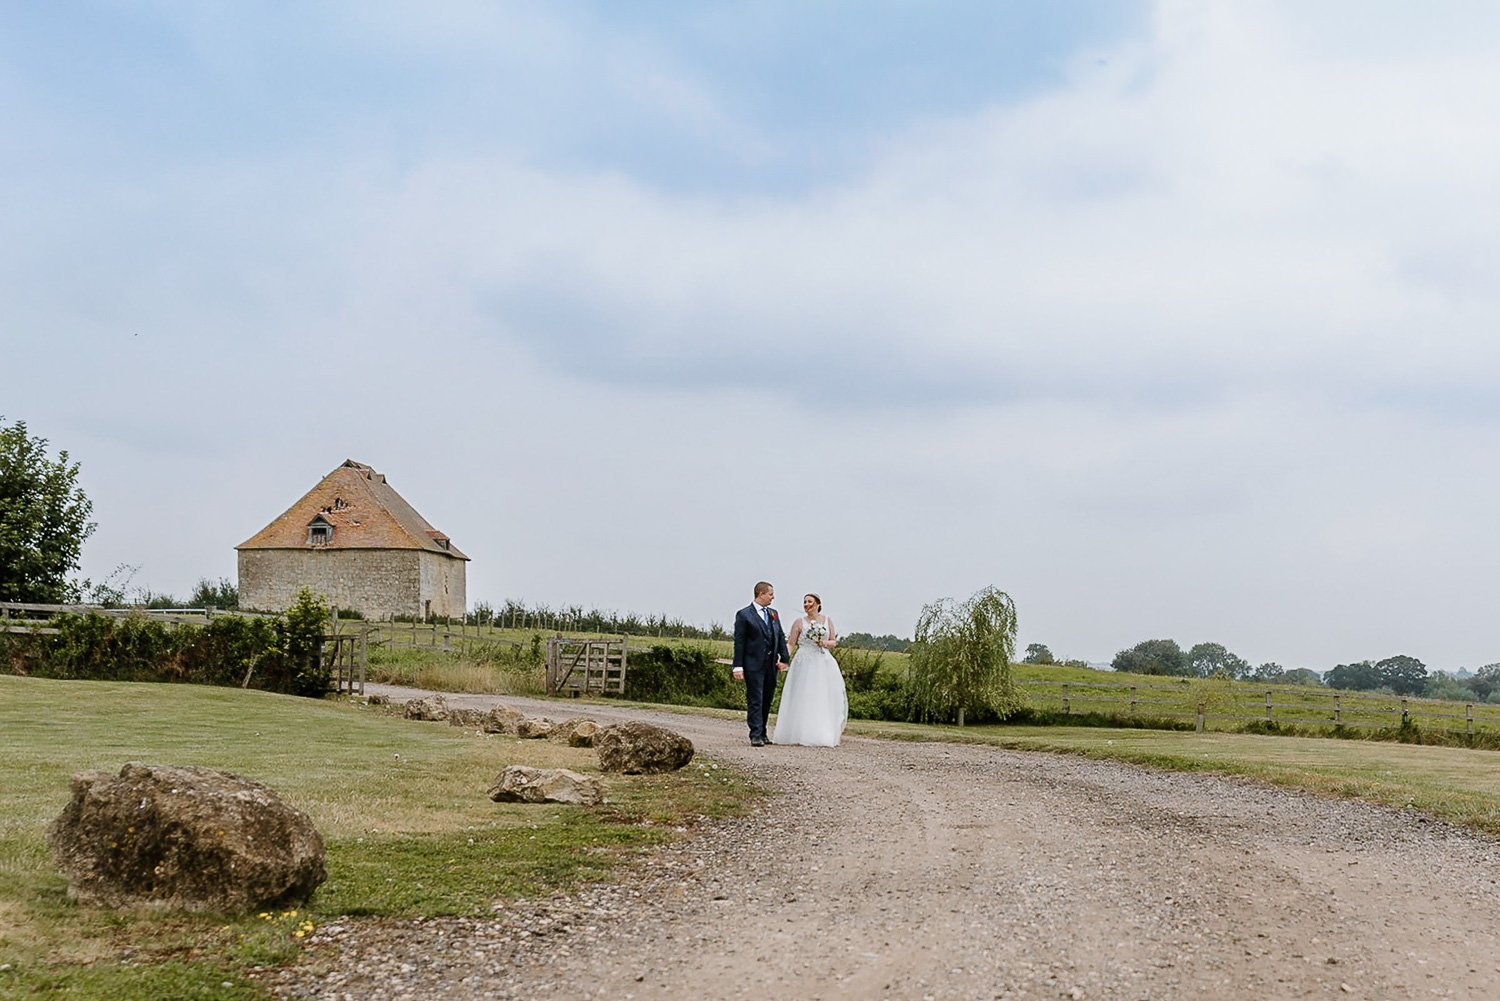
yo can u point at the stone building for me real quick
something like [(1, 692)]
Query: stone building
[(356, 541)]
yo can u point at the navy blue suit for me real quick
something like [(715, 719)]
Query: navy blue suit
[(757, 648)]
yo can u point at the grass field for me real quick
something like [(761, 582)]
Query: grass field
[(1227, 705), (401, 806)]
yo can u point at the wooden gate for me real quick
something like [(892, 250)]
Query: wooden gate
[(583, 667), (344, 655)]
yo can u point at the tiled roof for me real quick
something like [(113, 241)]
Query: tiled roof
[(365, 512)]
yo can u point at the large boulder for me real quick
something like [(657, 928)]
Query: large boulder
[(534, 728), (503, 719), (576, 732), (469, 719), (637, 748), (524, 784), (184, 837), (434, 707)]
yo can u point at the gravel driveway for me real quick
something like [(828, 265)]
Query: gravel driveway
[(896, 870)]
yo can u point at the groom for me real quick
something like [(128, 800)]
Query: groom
[(759, 655)]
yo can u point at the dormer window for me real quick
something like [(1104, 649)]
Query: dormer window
[(319, 532)]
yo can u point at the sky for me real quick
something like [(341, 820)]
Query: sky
[(1171, 320)]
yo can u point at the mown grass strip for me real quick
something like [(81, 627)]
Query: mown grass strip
[(401, 805)]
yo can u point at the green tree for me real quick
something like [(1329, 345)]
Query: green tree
[(44, 519), (1302, 676), (865, 641), (1213, 660), (1405, 675), (221, 594), (299, 639), (1037, 653), (1445, 686), (1151, 657), (1485, 681), (961, 657), (1269, 671), (1362, 676)]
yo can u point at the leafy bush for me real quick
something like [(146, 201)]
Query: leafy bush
[(682, 676), (887, 698), (281, 654), (961, 657), (221, 594), (300, 669), (859, 666)]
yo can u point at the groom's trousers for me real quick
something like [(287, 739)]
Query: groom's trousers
[(760, 689)]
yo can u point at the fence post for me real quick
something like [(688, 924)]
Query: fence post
[(1200, 717), (1268, 707), (1405, 716), (1470, 713), (1132, 700), (1067, 706), (1337, 711)]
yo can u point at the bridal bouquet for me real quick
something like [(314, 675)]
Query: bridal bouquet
[(817, 632)]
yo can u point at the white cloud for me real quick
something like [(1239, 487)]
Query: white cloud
[(1197, 344)]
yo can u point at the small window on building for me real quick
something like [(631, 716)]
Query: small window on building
[(319, 533)]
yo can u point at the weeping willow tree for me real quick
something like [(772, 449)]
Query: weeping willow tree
[(961, 657)]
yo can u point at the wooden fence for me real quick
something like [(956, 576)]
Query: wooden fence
[(27, 617), (456, 638), (585, 666), (1241, 703)]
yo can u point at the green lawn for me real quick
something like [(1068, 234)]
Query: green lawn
[(401, 806)]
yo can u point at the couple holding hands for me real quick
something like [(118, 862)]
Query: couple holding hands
[(814, 706)]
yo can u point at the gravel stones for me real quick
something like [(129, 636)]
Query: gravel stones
[(907, 870)]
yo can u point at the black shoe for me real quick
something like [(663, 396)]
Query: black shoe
[(757, 743), (770, 742)]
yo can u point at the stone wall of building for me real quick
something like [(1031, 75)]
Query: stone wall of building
[(374, 582), (377, 583), (443, 583)]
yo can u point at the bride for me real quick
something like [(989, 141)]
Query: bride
[(814, 707)]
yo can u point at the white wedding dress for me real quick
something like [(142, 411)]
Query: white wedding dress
[(814, 706)]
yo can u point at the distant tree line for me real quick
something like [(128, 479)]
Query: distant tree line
[(575, 618), (1401, 674), (1039, 653), (865, 641)]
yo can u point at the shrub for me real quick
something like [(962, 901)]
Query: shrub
[(961, 657), (281, 654), (859, 666), (887, 699), (681, 676)]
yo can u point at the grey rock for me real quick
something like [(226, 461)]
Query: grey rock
[(637, 748), (524, 784), (434, 707), (584, 734), (469, 719), (503, 719), (534, 728), (186, 838)]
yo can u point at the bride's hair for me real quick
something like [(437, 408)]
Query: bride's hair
[(815, 598)]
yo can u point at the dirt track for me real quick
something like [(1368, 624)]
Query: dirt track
[(895, 870)]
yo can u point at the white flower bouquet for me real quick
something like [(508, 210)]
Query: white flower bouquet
[(817, 632)]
